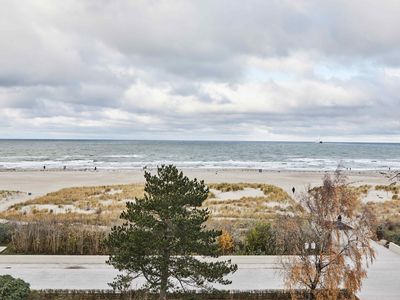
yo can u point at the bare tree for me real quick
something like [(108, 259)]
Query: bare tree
[(334, 249)]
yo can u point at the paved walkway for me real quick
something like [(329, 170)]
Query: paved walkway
[(254, 272)]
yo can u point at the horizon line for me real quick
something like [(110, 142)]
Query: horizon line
[(189, 140)]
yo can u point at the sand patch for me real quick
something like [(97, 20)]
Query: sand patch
[(56, 209), (236, 195), (377, 196)]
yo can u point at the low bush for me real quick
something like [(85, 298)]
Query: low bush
[(5, 234), (260, 240), (389, 231), (13, 288)]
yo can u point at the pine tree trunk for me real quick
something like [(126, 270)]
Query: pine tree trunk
[(164, 280), (163, 294), (164, 269)]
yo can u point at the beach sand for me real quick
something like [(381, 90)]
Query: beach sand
[(41, 182)]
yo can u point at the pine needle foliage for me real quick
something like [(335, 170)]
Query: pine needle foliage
[(161, 234)]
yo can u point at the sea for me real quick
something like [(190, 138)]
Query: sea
[(129, 154)]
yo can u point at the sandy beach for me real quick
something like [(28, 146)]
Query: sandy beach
[(38, 183)]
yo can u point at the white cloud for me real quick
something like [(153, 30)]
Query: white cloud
[(210, 69)]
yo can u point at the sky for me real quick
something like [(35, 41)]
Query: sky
[(200, 70)]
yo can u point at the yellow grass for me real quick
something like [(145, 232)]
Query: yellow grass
[(105, 203), (388, 210), (362, 190), (275, 201), (395, 189)]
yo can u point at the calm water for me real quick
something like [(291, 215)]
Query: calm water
[(33, 154)]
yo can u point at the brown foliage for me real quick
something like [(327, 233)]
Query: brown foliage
[(55, 238), (226, 243), (337, 233)]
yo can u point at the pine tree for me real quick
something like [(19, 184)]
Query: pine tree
[(161, 234)]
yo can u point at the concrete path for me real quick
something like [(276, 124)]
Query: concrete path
[(383, 281), (254, 272), (91, 272)]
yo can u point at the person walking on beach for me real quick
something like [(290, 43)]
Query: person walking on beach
[(293, 190)]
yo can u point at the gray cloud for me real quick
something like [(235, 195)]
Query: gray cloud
[(290, 70)]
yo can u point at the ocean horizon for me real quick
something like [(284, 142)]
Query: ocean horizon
[(78, 154)]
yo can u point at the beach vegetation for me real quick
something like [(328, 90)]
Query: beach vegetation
[(5, 234), (160, 234), (226, 243), (362, 190), (4, 194), (261, 240), (55, 238), (393, 188)]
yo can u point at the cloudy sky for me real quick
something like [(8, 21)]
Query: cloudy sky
[(215, 70)]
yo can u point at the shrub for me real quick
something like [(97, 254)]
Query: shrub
[(389, 231), (226, 243), (13, 288), (261, 240), (5, 234)]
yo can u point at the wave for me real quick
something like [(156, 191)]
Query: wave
[(288, 164)]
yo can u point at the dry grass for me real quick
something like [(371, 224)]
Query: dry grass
[(102, 205), (6, 194), (362, 190), (393, 188), (107, 202), (387, 210), (270, 191), (274, 202)]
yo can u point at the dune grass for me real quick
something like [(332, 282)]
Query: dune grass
[(393, 188), (362, 190), (106, 202), (385, 211), (102, 205), (274, 202), (6, 194)]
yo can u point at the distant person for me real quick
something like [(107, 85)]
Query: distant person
[(95, 168), (293, 190), (44, 168), (65, 167)]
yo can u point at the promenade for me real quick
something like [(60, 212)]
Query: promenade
[(254, 272)]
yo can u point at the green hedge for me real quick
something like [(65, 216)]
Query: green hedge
[(136, 295)]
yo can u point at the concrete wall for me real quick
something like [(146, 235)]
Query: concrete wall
[(394, 248)]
